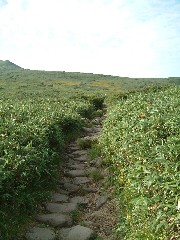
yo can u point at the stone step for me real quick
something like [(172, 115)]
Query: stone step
[(38, 233), (76, 173), (83, 158), (88, 130), (92, 130), (76, 166), (61, 207), (71, 161), (55, 219), (79, 152), (71, 188), (77, 233), (81, 180), (73, 147), (89, 189), (80, 200), (58, 197), (64, 180), (62, 191)]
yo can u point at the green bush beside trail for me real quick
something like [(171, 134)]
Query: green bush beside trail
[(33, 134), (141, 142)]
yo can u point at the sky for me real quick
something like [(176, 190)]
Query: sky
[(128, 38)]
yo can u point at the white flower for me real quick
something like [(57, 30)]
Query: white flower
[(178, 206)]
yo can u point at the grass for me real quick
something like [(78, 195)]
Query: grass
[(76, 216), (40, 112), (84, 143), (140, 143), (94, 151), (96, 175)]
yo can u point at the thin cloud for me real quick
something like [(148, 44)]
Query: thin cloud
[(127, 37), (3, 3)]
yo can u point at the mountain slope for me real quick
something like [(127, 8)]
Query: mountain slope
[(7, 65), (15, 80)]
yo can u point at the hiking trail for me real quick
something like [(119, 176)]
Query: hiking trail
[(83, 207)]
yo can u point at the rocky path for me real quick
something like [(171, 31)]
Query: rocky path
[(82, 208)]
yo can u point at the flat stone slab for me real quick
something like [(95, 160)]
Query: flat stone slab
[(88, 130), (79, 153), (58, 197), (89, 189), (79, 166), (55, 219), (74, 147), (70, 162), (80, 200), (37, 233), (62, 191), (101, 200), (97, 129), (76, 173), (64, 180), (82, 158), (61, 207), (71, 188), (81, 180), (77, 233), (70, 155)]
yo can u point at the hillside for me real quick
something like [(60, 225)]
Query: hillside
[(42, 113), (15, 80), (7, 65)]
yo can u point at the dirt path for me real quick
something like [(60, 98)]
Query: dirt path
[(82, 208)]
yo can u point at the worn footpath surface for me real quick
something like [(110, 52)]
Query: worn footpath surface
[(82, 208)]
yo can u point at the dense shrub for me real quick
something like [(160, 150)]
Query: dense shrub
[(141, 141), (33, 133)]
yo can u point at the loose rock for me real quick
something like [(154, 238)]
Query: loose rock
[(77, 233), (100, 201), (89, 189), (88, 130), (79, 152), (79, 166), (71, 187), (76, 173), (64, 180), (61, 208), (55, 219), (62, 191), (57, 197), (82, 158), (80, 200), (81, 180), (37, 233)]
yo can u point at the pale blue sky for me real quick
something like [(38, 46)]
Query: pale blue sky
[(134, 38)]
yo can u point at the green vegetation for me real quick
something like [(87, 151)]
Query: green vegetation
[(33, 135), (94, 151), (76, 216), (84, 143), (140, 141), (15, 81), (40, 112), (8, 66), (96, 175)]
